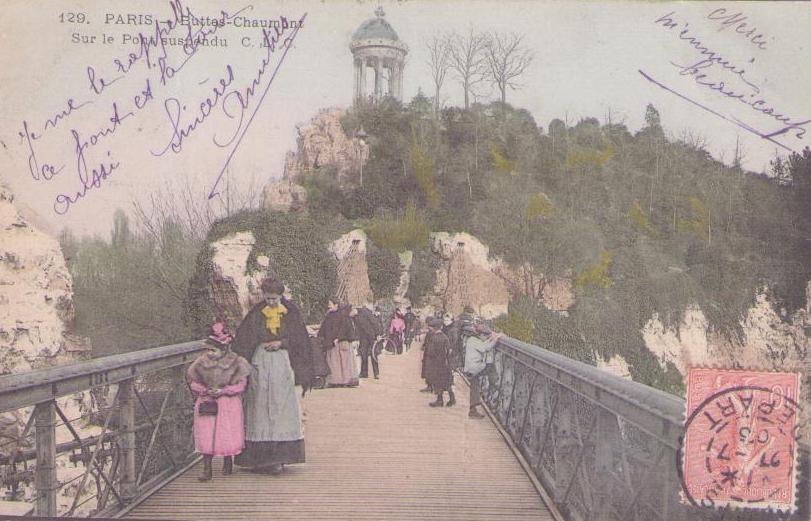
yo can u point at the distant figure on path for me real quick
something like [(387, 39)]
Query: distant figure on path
[(274, 338), (409, 318), (437, 369), (337, 332), (368, 329), (480, 345), (217, 379), (397, 331)]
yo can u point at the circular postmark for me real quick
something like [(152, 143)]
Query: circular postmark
[(739, 450)]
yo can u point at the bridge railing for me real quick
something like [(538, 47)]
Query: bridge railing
[(602, 447), (93, 436)]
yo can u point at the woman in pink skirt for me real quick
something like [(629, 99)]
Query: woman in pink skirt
[(217, 379)]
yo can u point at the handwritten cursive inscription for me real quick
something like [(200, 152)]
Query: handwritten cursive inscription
[(719, 75), (158, 58), (737, 22)]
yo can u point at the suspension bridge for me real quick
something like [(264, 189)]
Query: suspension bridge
[(563, 441)]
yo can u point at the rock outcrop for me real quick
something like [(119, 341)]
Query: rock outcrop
[(36, 320), (36, 297), (283, 195), (767, 341), (323, 143), (232, 289), (467, 276), (353, 271)]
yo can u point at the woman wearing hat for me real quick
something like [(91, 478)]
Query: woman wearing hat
[(217, 379), (437, 369), (274, 338)]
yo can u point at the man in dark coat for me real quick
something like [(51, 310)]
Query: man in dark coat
[(409, 318), (368, 329), (437, 369), (274, 339), (451, 330)]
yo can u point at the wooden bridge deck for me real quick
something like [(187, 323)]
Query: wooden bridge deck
[(376, 452)]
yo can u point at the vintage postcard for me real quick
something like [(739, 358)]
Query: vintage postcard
[(390, 260)]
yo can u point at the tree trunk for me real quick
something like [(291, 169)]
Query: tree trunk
[(466, 88)]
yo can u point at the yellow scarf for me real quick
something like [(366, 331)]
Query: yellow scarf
[(273, 317)]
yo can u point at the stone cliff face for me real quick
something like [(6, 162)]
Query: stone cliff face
[(353, 271), (36, 297), (767, 341), (234, 290), (36, 318), (323, 143), (467, 276)]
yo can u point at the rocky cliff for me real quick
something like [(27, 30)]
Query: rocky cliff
[(353, 270), (766, 341), (323, 143), (36, 319), (36, 297)]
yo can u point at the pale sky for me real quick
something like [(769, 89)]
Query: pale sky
[(588, 58)]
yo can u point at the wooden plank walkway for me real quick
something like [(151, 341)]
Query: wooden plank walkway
[(374, 452)]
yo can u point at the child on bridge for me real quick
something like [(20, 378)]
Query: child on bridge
[(217, 379)]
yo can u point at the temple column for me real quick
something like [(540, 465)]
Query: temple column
[(392, 79), (362, 80), (357, 79), (378, 79), (399, 86)]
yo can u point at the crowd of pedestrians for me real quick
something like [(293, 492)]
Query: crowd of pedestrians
[(465, 345), (246, 407)]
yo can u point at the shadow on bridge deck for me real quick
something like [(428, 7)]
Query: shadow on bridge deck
[(373, 452)]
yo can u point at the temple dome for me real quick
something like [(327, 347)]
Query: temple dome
[(375, 28)]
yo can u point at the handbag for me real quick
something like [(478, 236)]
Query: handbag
[(208, 408)]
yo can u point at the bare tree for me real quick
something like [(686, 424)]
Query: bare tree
[(439, 60), (468, 60), (507, 59)]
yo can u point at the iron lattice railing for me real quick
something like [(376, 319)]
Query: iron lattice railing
[(604, 448), (99, 433)]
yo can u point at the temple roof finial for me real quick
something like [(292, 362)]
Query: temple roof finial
[(380, 12)]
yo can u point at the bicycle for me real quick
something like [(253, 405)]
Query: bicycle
[(382, 343)]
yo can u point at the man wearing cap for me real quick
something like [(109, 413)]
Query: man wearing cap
[(479, 344)]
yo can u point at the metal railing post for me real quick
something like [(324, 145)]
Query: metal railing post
[(129, 485), (46, 483)]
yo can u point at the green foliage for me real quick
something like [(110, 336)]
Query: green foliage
[(384, 270), (422, 275), (516, 326), (129, 291), (408, 231), (640, 220), (539, 205), (699, 225), (682, 229), (297, 247), (324, 195), (500, 162), (582, 156), (597, 275), (423, 166)]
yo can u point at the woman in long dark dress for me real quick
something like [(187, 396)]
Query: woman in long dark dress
[(438, 371), (274, 339)]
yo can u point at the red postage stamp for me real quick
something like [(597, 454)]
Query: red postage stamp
[(740, 444)]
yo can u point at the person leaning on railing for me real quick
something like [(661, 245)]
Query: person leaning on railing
[(479, 343)]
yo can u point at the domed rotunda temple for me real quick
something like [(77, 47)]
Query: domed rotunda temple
[(375, 45)]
